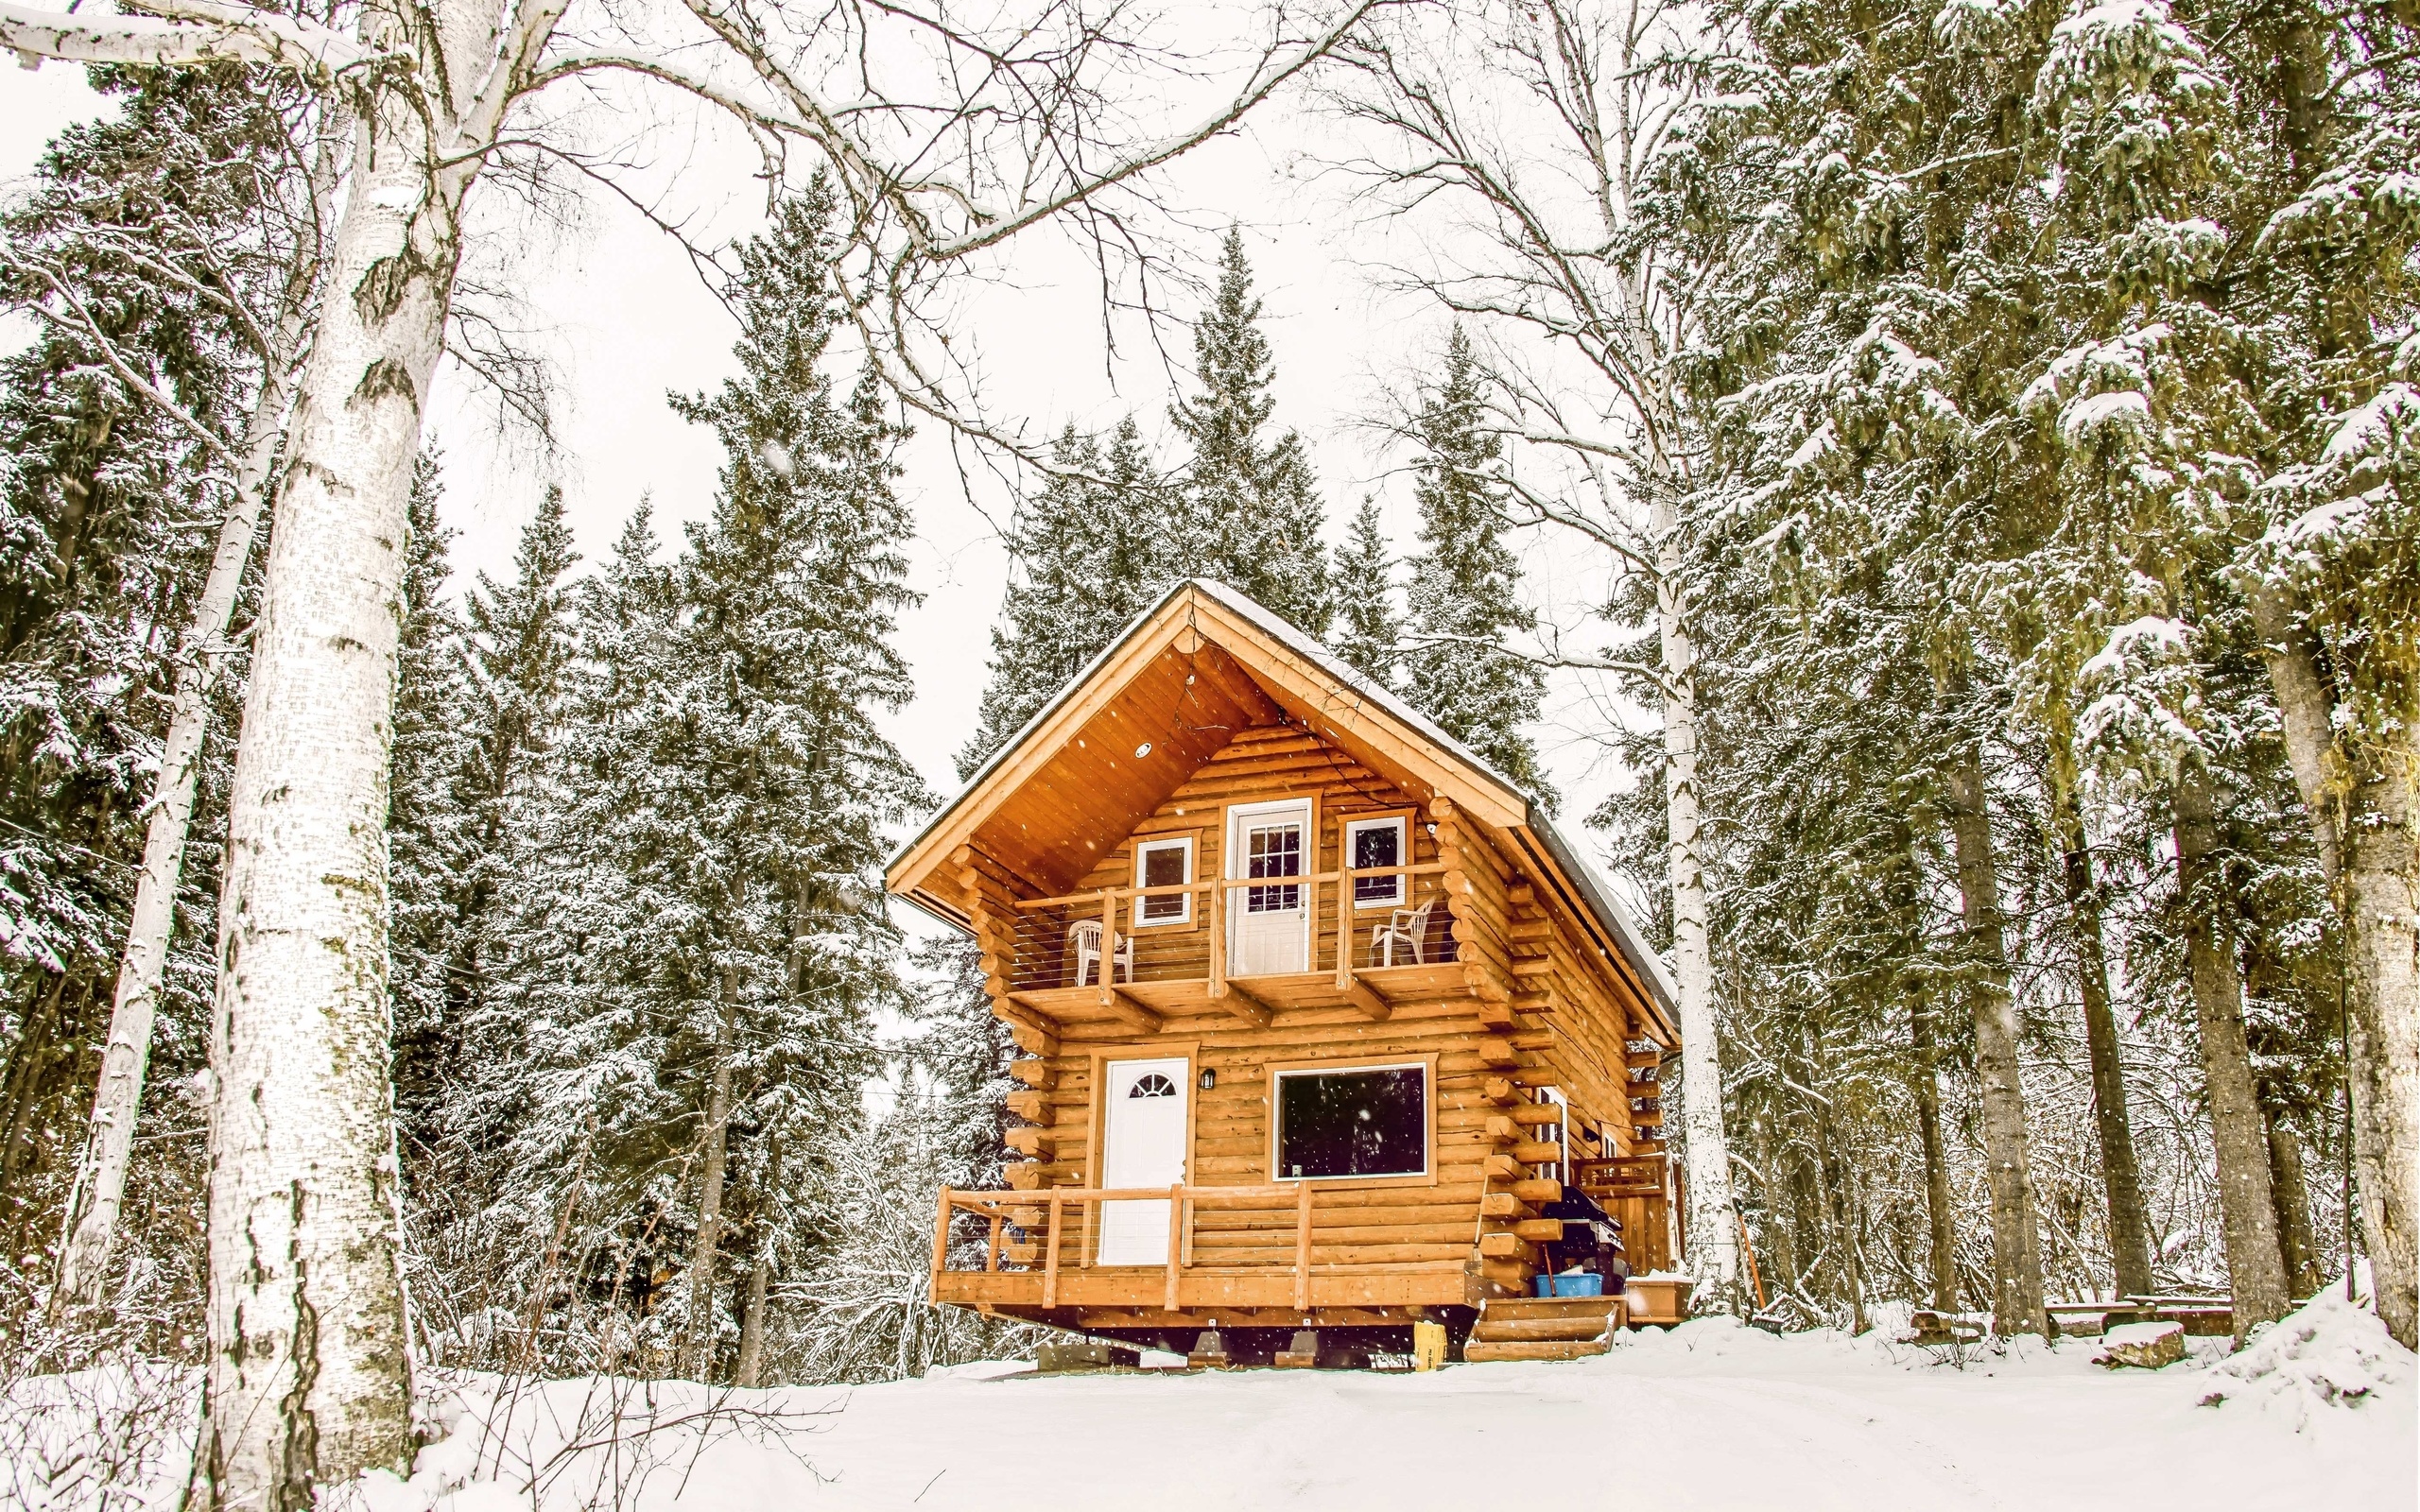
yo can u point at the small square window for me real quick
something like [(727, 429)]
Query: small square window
[(1365, 1122), (1163, 864), (1377, 843)]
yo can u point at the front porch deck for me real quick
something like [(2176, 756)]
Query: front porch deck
[(1370, 991)]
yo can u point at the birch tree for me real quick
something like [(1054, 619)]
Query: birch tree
[(1516, 144), (979, 133)]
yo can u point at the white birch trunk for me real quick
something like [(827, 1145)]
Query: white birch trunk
[(101, 1185), (702, 1315), (308, 1380), (95, 1206), (2365, 823), (1714, 1248)]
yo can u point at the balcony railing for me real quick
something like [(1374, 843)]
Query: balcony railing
[(1055, 1230), (1178, 933)]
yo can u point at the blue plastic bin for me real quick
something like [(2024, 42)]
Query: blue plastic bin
[(1582, 1286)]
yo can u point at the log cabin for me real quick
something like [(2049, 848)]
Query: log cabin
[(1315, 1014)]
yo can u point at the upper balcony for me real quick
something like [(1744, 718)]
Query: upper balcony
[(1364, 938)]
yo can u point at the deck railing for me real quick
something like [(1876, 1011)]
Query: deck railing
[(1072, 1212), (1071, 941)]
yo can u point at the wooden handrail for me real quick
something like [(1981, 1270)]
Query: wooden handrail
[(1182, 1202), (1425, 869)]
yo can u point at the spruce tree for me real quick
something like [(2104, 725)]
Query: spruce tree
[(1465, 583), (1093, 549), (772, 785), (428, 846), (1251, 510), (1368, 632)]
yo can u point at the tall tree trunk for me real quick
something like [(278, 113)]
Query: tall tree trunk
[(2130, 1248), (309, 1381), (702, 1310), (760, 1275), (102, 1183), (2290, 1190), (1714, 1248), (2256, 1274), (2362, 820), (2016, 1245), (1940, 1210)]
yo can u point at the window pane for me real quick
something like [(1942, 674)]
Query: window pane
[(1163, 866), (1353, 1122), (1378, 845), (1273, 851)]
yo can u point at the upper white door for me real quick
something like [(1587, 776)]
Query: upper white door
[(1268, 925), (1143, 1145)]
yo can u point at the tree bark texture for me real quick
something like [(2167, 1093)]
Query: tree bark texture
[(760, 1275), (2017, 1244), (142, 967), (702, 1310), (308, 1382), (1714, 1250), (2255, 1272), (2362, 819), (1940, 1210), (2130, 1246), (2289, 1187)]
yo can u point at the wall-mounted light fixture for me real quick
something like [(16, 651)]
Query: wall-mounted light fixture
[(1209, 1078), (1142, 751)]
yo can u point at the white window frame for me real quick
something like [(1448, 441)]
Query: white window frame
[(1183, 915), (1402, 894), (1427, 1118)]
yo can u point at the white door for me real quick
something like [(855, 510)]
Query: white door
[(1143, 1146), (1269, 928)]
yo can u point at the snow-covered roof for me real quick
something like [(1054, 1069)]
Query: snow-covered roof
[(1607, 909)]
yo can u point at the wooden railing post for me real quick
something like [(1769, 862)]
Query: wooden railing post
[(941, 1236), (1302, 1247), (991, 1253), (1050, 1257), (1105, 969), (1344, 928), (1218, 987), (1176, 1239)]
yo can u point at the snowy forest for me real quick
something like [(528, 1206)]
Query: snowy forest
[(1992, 430)]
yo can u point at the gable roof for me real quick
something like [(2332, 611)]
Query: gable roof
[(1135, 687)]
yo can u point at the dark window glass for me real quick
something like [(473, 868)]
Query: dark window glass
[(1378, 845), (1353, 1122), (1273, 851), (1151, 1084), (1163, 866)]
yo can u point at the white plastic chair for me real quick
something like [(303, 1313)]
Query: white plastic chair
[(1083, 942), (1406, 927)]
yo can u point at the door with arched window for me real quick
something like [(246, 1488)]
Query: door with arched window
[(1142, 1145)]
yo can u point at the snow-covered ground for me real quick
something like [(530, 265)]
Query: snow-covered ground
[(2320, 1414)]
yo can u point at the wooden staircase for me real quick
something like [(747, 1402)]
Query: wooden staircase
[(1543, 1328)]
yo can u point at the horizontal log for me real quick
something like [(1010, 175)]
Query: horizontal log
[(1024, 1176), (1505, 1168), (1503, 1246), (1533, 1002), (1537, 1152), (1534, 967), (1653, 1119), (1502, 1129), (1537, 1188), (1544, 1230), (1512, 1273), (1499, 1089), (1034, 1074), (1029, 1141), (1644, 1059), (1506, 1206), (1537, 1115), (1497, 1050)]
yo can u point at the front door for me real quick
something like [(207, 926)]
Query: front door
[(1143, 1146), (1268, 927)]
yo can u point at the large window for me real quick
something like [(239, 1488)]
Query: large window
[(1375, 843), (1163, 864), (1364, 1121)]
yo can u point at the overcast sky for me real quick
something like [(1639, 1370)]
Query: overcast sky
[(620, 310)]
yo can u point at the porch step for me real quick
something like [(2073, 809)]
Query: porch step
[(1478, 1353), (1543, 1328)]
